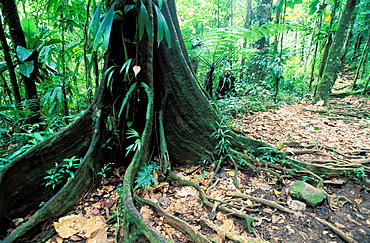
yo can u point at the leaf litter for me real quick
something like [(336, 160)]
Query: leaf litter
[(337, 134)]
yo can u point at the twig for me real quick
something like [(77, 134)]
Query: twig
[(260, 200), (175, 222), (336, 230)]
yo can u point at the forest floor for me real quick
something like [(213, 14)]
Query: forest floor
[(340, 134)]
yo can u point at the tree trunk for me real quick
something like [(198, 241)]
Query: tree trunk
[(10, 66), (10, 13), (165, 85), (333, 64)]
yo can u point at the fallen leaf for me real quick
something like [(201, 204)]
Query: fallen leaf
[(75, 238), (339, 225), (276, 192), (228, 225), (278, 218), (187, 191), (70, 225), (268, 210), (146, 212), (349, 217), (99, 236), (358, 201)]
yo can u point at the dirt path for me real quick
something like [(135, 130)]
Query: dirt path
[(339, 134)]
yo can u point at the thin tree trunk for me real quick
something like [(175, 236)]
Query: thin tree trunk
[(312, 78), (10, 13), (332, 67), (7, 89), (10, 66), (363, 57), (247, 23), (329, 40)]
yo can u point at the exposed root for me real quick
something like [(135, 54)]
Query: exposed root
[(176, 223), (262, 201), (336, 230), (272, 204)]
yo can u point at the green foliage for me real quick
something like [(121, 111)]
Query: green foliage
[(103, 171), (62, 172), (145, 177), (131, 133), (358, 175), (222, 135)]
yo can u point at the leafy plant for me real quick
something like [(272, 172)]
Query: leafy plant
[(103, 171), (222, 134), (62, 172), (137, 144), (145, 177)]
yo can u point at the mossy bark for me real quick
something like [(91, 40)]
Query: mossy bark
[(333, 63)]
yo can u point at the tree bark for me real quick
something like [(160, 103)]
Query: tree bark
[(10, 66), (334, 63), (11, 17)]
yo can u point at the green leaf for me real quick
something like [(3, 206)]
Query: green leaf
[(144, 22), (313, 6), (29, 28), (104, 29), (126, 66), (94, 25), (23, 53), (26, 68), (129, 7), (162, 27)]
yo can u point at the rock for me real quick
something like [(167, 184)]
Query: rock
[(307, 193), (297, 205)]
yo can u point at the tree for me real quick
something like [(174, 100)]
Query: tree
[(10, 13), (164, 85), (333, 63)]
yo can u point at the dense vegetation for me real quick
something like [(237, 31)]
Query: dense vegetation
[(67, 61)]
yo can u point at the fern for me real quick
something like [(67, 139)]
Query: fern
[(145, 177)]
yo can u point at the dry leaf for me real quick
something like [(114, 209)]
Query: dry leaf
[(220, 216), (278, 218), (349, 217), (75, 238), (276, 192), (339, 225), (93, 224), (268, 210), (70, 225), (358, 201), (228, 225), (290, 229), (146, 212), (99, 236), (187, 191)]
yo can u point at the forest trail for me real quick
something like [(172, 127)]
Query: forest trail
[(340, 134)]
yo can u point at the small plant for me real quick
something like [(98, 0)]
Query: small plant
[(145, 177), (62, 171), (103, 171), (222, 134), (137, 144)]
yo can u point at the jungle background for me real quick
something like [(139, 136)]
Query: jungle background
[(294, 74)]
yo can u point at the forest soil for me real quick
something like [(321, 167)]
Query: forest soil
[(338, 134)]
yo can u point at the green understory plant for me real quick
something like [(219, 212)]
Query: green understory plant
[(62, 172), (145, 177), (222, 134), (103, 171), (137, 144)]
